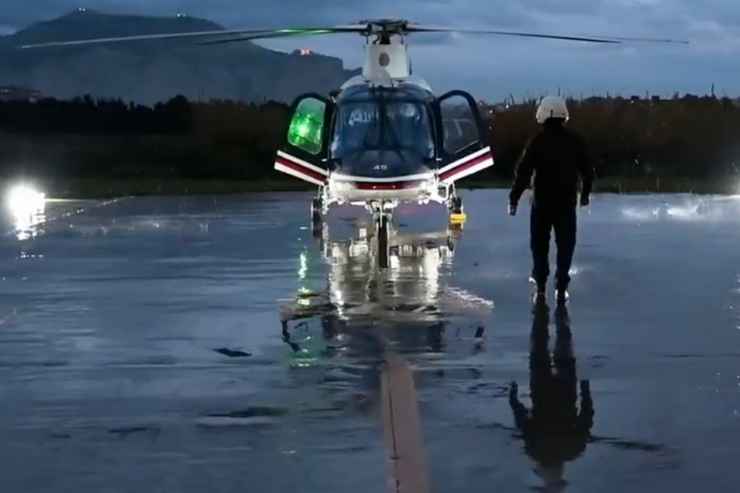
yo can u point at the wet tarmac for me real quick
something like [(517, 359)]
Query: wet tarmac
[(214, 344)]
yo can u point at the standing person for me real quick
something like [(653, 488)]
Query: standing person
[(557, 157)]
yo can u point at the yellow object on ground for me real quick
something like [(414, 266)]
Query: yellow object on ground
[(458, 218)]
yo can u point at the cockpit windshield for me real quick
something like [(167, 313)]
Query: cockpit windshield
[(398, 126)]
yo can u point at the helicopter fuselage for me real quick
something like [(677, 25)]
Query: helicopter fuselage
[(389, 143), (383, 145)]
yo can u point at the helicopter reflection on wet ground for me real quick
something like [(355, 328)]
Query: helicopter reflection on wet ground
[(185, 344)]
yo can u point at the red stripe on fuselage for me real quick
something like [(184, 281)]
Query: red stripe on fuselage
[(465, 166), (301, 169), (397, 185)]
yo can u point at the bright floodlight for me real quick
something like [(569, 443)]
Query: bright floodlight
[(27, 208), (24, 200)]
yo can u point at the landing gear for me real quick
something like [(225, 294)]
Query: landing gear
[(383, 240), (316, 210), (317, 216), (457, 212), (456, 205)]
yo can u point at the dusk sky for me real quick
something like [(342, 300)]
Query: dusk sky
[(493, 67)]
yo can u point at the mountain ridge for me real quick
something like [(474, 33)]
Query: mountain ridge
[(150, 71)]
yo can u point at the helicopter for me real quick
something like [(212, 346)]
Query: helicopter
[(384, 138)]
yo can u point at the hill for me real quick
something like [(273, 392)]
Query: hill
[(150, 71)]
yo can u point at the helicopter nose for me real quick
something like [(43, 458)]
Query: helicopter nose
[(383, 165), (393, 169), (393, 185), (399, 170)]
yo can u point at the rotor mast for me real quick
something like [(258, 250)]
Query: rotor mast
[(386, 52)]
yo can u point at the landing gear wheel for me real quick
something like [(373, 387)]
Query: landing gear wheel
[(383, 241), (317, 219), (456, 205)]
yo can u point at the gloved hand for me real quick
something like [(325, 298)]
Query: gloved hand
[(513, 391), (512, 209), (585, 200)]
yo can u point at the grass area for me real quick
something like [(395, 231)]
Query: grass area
[(94, 188)]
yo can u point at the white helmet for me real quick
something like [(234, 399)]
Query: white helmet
[(552, 107)]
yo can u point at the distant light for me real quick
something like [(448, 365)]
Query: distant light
[(82, 10), (305, 52)]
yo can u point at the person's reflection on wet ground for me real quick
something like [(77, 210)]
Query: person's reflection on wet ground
[(555, 430)]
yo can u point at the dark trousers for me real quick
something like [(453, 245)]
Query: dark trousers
[(563, 221)]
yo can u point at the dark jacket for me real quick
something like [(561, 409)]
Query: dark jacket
[(557, 157)]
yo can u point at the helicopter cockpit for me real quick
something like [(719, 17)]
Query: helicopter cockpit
[(381, 132)]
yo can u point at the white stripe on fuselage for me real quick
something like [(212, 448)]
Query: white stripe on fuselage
[(472, 170), (464, 160), (302, 163), (297, 174)]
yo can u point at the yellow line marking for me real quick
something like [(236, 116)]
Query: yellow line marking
[(402, 428)]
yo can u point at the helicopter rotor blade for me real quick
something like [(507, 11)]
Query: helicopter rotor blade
[(287, 33), (414, 28), (240, 34), (583, 39), (649, 40), (367, 28), (144, 37)]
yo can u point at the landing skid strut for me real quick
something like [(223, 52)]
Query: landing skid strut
[(382, 222)]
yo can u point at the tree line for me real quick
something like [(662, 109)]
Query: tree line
[(89, 138), (683, 137), (690, 137)]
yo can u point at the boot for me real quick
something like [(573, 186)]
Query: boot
[(540, 295)]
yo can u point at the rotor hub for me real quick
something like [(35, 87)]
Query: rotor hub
[(385, 28)]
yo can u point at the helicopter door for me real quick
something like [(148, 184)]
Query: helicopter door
[(306, 142), (463, 136)]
